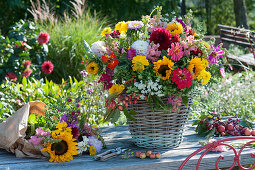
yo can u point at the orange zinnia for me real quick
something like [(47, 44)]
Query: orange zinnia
[(112, 62)]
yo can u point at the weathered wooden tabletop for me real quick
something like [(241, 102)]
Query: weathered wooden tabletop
[(120, 137)]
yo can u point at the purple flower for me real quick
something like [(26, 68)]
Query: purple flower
[(215, 54), (131, 53), (41, 132), (105, 77), (134, 25), (183, 25), (77, 105), (84, 73), (71, 120), (97, 144), (69, 100), (36, 140)]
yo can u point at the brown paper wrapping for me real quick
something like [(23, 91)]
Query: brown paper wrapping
[(13, 131)]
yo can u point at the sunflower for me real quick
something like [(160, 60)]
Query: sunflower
[(116, 88), (107, 30), (196, 65), (163, 68), (92, 68), (64, 150), (205, 76), (175, 28), (139, 62)]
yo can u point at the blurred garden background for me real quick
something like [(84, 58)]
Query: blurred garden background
[(69, 22)]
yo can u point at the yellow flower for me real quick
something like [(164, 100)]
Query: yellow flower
[(62, 126), (196, 65), (163, 68), (107, 30), (175, 28), (92, 150), (122, 27), (64, 150), (139, 62), (92, 68), (205, 76), (116, 88)]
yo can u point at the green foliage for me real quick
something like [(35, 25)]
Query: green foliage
[(67, 44), (21, 45)]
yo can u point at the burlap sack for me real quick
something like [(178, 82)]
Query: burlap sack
[(13, 131)]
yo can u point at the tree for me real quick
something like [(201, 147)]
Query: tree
[(241, 14)]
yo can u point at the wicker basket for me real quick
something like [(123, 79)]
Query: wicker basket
[(157, 129)]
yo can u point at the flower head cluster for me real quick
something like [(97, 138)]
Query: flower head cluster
[(153, 52), (141, 47), (99, 48), (150, 87)]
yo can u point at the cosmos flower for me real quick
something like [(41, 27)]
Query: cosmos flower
[(215, 54)]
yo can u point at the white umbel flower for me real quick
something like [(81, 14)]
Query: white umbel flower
[(141, 47), (99, 48), (83, 145)]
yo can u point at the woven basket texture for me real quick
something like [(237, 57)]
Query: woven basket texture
[(158, 128)]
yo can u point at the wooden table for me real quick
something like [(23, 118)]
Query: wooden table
[(120, 137)]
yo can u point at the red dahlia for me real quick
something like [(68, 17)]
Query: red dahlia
[(161, 36), (26, 73), (182, 78), (47, 67), (12, 77), (43, 38)]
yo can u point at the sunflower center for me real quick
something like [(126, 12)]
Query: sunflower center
[(92, 68), (214, 54), (162, 70), (60, 148)]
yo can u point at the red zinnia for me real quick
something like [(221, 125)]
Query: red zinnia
[(26, 73), (12, 77), (182, 78), (26, 64), (112, 62), (47, 67), (43, 38), (161, 36)]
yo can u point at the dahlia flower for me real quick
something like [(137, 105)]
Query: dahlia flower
[(12, 77), (131, 53), (43, 38), (161, 36), (139, 62), (182, 78), (27, 73), (176, 51), (215, 54), (134, 25), (47, 67), (99, 48), (141, 47)]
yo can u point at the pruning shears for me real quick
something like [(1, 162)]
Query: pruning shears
[(109, 154)]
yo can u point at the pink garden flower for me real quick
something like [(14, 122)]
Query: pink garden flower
[(176, 51), (153, 52), (36, 140), (26, 63), (175, 102), (47, 67), (41, 132), (12, 77), (215, 54), (222, 72), (220, 148), (27, 73), (43, 38), (182, 78)]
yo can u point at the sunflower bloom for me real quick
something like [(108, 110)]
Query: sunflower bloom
[(175, 28), (196, 65), (107, 30), (163, 68), (92, 68), (139, 62), (205, 76), (116, 88), (64, 150)]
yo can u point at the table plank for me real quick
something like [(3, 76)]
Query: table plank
[(120, 137)]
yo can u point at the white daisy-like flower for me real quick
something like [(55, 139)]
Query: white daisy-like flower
[(123, 36), (99, 48), (142, 96), (83, 145), (141, 47)]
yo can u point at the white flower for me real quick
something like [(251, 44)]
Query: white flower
[(83, 145), (152, 93), (99, 48), (123, 36), (141, 47), (142, 96)]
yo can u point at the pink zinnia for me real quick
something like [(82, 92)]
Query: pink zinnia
[(43, 38), (27, 73), (26, 64), (12, 77), (36, 140), (182, 78), (176, 51), (47, 67)]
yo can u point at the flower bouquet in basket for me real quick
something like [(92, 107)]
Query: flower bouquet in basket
[(150, 69)]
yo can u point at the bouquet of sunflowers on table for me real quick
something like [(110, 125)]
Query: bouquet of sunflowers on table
[(150, 59)]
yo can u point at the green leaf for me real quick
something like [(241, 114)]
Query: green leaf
[(132, 112), (128, 115), (195, 122), (88, 49), (246, 123), (185, 100), (24, 82), (32, 119)]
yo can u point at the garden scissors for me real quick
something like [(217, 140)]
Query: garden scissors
[(109, 154)]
